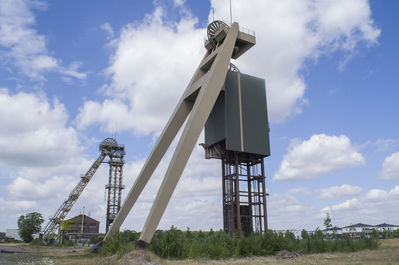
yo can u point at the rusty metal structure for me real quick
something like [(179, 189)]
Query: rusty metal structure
[(244, 194), (109, 147), (114, 187)]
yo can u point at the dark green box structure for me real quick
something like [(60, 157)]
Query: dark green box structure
[(239, 116), (237, 133)]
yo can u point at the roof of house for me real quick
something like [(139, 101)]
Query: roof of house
[(358, 225), (332, 228), (79, 217), (385, 225)]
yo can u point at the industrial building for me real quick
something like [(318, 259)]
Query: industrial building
[(79, 228)]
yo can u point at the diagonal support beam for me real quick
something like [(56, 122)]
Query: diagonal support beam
[(170, 131), (202, 107)]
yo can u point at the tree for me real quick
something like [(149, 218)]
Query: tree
[(66, 227), (304, 234), (375, 234), (327, 221), (29, 224)]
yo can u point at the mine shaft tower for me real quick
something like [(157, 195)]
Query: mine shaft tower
[(115, 152), (114, 187), (225, 42)]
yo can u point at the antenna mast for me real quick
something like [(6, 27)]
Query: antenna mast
[(231, 16)]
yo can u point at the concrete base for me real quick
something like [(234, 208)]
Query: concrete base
[(142, 244), (96, 247)]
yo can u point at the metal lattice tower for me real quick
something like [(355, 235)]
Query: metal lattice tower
[(114, 187), (66, 206), (109, 147), (244, 194)]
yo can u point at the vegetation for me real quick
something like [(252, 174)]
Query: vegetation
[(327, 221), (29, 224), (66, 227), (385, 234), (177, 244), (120, 243)]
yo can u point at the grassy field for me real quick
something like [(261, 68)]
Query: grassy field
[(388, 253)]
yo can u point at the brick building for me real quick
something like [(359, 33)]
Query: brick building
[(74, 225)]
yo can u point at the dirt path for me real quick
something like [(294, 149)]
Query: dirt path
[(12, 253)]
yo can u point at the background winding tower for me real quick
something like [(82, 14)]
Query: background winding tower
[(114, 187)]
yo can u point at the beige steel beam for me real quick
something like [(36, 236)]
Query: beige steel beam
[(172, 128)]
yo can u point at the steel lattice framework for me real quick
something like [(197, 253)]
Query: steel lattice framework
[(114, 186), (109, 147), (244, 194)]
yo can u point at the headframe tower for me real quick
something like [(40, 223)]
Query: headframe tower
[(225, 42), (115, 152), (114, 187)]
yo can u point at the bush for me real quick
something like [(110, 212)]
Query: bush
[(177, 244), (36, 242), (67, 243), (119, 243), (95, 239)]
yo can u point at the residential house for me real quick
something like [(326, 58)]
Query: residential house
[(13, 233), (358, 230), (386, 227), (333, 231)]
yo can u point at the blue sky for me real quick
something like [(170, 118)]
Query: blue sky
[(73, 73)]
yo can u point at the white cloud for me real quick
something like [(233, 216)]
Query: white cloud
[(382, 145), (154, 60), (349, 204), (6, 206), (150, 68), (318, 155), (339, 191), (376, 206), (287, 212), (34, 132), (40, 158), (108, 29), (22, 45), (390, 167), (376, 194), (288, 32), (117, 115), (300, 190)]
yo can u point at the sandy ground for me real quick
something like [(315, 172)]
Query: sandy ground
[(24, 254), (388, 253)]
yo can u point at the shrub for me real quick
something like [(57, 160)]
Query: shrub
[(36, 242), (177, 244), (117, 244)]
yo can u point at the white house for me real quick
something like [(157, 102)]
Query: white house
[(13, 233), (357, 230), (297, 233), (333, 230), (386, 227)]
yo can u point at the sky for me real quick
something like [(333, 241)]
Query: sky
[(76, 72)]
